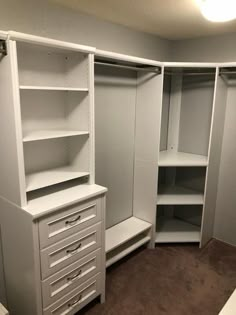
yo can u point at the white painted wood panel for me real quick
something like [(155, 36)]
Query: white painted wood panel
[(230, 306), (124, 231), (177, 195), (171, 230), (115, 95), (12, 184), (167, 158)]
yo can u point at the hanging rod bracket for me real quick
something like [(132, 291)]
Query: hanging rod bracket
[(3, 47)]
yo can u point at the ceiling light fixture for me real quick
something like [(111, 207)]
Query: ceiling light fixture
[(218, 10)]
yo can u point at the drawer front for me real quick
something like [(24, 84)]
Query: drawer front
[(78, 298), (68, 221), (72, 276), (65, 252)]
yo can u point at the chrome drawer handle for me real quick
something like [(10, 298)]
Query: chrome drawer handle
[(75, 302), (71, 278), (72, 222), (71, 251)]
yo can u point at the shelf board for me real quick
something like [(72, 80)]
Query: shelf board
[(177, 195), (124, 231), (171, 230), (132, 246), (51, 134), (50, 177), (52, 88), (169, 158)]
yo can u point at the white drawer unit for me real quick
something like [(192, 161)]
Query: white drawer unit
[(61, 283), (71, 220), (73, 302), (70, 250)]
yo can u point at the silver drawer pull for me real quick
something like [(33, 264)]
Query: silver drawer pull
[(75, 302), (71, 278), (72, 222), (73, 250)]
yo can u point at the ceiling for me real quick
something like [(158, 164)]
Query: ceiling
[(170, 19)]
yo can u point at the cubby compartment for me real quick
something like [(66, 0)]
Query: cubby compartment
[(181, 186), (186, 116), (42, 67), (178, 223), (54, 114), (50, 162)]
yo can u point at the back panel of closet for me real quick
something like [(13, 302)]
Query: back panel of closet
[(115, 99)]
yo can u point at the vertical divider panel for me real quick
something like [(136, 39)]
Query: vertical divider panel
[(174, 114), (148, 119), (214, 157), (12, 172), (91, 119)]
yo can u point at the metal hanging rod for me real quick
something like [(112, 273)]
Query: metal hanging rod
[(135, 68), (189, 73), (226, 72), (3, 47)]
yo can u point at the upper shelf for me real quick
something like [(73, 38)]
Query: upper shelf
[(169, 158), (51, 134), (176, 195), (52, 88)]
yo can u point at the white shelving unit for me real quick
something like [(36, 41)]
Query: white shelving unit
[(188, 110), (48, 198)]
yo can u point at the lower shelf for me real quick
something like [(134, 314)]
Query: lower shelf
[(125, 237), (171, 230), (51, 177), (126, 249)]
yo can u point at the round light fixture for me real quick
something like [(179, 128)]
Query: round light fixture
[(218, 10)]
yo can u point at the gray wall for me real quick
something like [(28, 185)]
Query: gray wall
[(46, 18), (218, 49), (206, 49)]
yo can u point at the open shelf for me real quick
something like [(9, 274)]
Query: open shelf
[(169, 158), (171, 230), (124, 231), (126, 249), (50, 177), (177, 195), (51, 134), (52, 88)]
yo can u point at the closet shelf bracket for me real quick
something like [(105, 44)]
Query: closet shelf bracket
[(3, 47)]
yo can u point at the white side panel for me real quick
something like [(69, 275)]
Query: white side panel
[(20, 260), (12, 182), (148, 116), (3, 297), (215, 146), (225, 223), (115, 98)]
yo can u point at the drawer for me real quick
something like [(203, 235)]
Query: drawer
[(72, 276), (78, 298), (65, 252), (68, 221)]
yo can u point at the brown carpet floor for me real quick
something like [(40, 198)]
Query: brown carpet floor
[(170, 280)]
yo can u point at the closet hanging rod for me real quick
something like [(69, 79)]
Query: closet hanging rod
[(135, 68), (227, 72), (189, 73)]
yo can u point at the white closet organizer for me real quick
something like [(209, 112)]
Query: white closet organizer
[(187, 181), (127, 99), (51, 212)]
